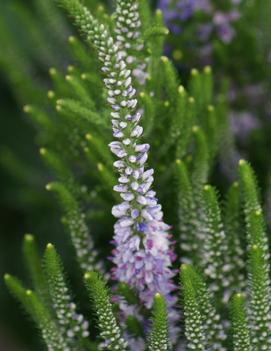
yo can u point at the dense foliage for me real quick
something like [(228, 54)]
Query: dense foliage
[(144, 154)]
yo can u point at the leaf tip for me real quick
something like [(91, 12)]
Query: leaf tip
[(52, 71), (27, 108), (206, 187), (48, 187), (195, 129), (28, 237), (164, 59), (50, 246), (50, 94), (194, 72), (87, 276), (207, 69), (43, 151), (6, 277), (71, 39)]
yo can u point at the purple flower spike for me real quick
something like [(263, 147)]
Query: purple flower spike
[(143, 249)]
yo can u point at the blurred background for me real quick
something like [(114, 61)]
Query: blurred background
[(233, 36)]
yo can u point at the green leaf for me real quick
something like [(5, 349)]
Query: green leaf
[(75, 108), (211, 320), (255, 225), (187, 216), (259, 298), (158, 338), (51, 334), (73, 324), (194, 329), (214, 245), (235, 235), (78, 229), (34, 266), (110, 331), (207, 85), (200, 158), (240, 329)]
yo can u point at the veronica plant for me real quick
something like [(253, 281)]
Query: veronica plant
[(224, 276)]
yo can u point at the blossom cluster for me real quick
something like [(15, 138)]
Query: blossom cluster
[(219, 23), (143, 253), (142, 248)]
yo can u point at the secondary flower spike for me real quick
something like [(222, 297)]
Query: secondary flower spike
[(142, 253)]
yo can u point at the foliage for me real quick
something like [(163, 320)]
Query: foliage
[(120, 77)]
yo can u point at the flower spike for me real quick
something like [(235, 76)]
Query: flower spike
[(142, 253)]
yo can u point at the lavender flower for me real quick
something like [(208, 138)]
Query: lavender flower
[(243, 124), (176, 12), (223, 24), (127, 310), (142, 247), (142, 253)]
